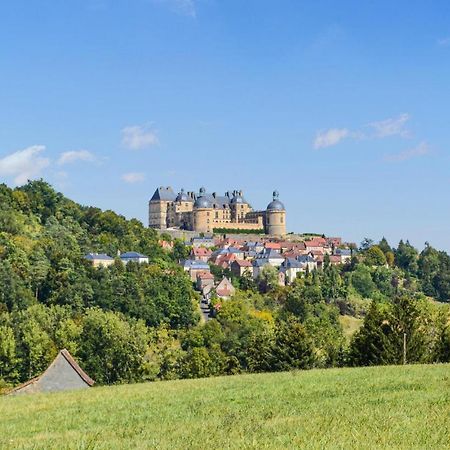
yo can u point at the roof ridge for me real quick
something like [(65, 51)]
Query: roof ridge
[(83, 375)]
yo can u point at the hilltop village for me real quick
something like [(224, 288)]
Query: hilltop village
[(210, 227), (234, 257)]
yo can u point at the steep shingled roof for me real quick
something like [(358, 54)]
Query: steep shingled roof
[(165, 194)]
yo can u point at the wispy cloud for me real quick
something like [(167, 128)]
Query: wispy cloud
[(137, 137), (24, 165), (75, 155), (444, 42), (330, 137), (184, 7), (391, 127), (395, 126), (133, 177), (421, 149)]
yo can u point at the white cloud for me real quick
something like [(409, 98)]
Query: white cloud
[(75, 155), (136, 137), (419, 150), (330, 137), (391, 127), (133, 177), (444, 42), (24, 165), (184, 7)]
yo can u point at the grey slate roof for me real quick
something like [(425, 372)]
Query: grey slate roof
[(292, 263), (202, 202), (192, 264), (98, 256), (132, 255), (271, 253), (200, 240), (260, 262), (183, 197), (164, 194), (275, 204), (305, 258), (343, 252)]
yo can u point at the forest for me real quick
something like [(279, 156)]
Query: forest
[(139, 322)]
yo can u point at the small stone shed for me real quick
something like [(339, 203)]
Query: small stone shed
[(63, 374)]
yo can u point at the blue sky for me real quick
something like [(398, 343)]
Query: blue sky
[(341, 106)]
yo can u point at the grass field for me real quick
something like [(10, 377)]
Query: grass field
[(384, 407)]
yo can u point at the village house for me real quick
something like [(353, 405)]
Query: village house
[(316, 244), (225, 289), (225, 261), (241, 267), (273, 257), (206, 242), (201, 254), (204, 279), (273, 246), (99, 259), (291, 267), (195, 267), (258, 265), (133, 257), (345, 254)]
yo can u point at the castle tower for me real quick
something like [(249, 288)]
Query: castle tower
[(275, 217), (203, 213), (158, 208)]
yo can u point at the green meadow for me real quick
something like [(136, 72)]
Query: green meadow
[(405, 407)]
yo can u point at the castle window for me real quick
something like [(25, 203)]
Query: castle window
[(207, 213), (281, 219), (217, 215)]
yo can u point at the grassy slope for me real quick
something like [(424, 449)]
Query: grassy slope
[(383, 407)]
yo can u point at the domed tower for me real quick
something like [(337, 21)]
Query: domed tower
[(275, 217), (203, 213)]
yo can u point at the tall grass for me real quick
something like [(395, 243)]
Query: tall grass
[(384, 407)]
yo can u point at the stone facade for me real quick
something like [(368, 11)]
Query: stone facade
[(203, 212)]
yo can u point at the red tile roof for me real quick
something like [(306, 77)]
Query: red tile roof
[(201, 251), (243, 262), (205, 275), (273, 245)]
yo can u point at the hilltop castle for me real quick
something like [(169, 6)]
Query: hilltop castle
[(204, 213)]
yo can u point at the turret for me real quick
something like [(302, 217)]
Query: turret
[(275, 217), (203, 213)]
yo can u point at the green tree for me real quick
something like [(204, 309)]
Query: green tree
[(111, 348), (361, 280), (293, 348), (374, 256), (268, 278), (406, 257), (8, 356)]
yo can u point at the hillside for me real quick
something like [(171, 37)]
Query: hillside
[(401, 407), (136, 322)]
